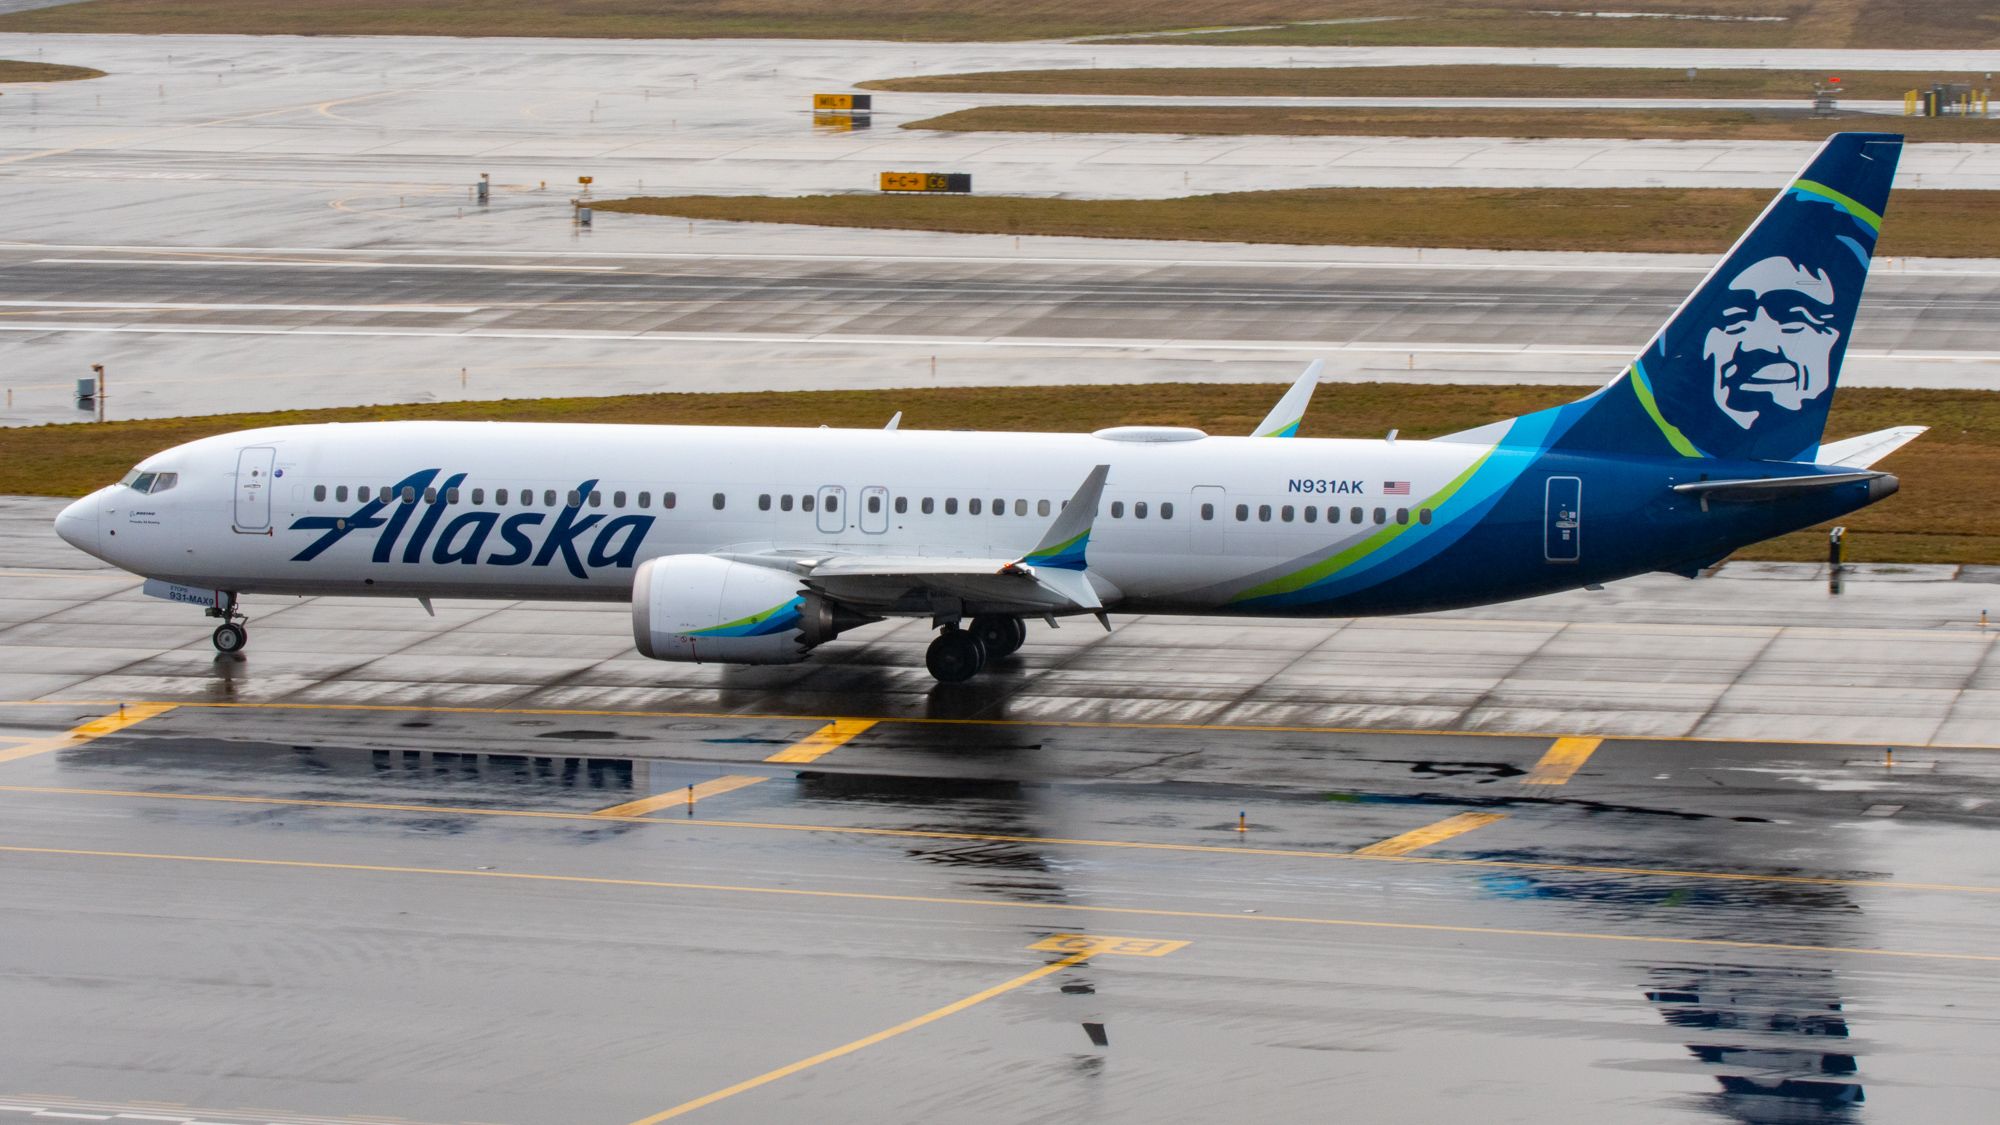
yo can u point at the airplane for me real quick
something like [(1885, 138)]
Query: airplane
[(756, 545)]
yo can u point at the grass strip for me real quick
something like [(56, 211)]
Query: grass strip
[(1420, 121), (1951, 224), (1943, 514), (1473, 81), (1955, 24), (14, 70)]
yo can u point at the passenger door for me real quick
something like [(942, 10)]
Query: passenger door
[(253, 488), (1562, 520)]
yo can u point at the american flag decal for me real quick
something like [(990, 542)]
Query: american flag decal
[(1395, 488)]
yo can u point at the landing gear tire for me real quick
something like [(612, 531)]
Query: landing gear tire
[(956, 656), (230, 637), (1002, 636)]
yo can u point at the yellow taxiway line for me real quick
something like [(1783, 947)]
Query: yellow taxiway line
[(991, 904), (1562, 761), (1431, 834), (1003, 838), (823, 741), (811, 748), (126, 715)]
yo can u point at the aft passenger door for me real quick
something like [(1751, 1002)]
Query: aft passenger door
[(253, 488), (1562, 520), (832, 509), (874, 509)]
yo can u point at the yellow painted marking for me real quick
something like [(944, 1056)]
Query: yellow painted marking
[(1093, 944), (1431, 834), (828, 738), (95, 728), (932, 1016), (993, 904), (926, 720), (1563, 759), (672, 797), (1000, 838)]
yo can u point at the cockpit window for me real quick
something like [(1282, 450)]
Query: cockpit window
[(148, 483)]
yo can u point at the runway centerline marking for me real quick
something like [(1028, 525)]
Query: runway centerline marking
[(1094, 948), (94, 729), (1431, 834), (823, 741), (991, 904), (1562, 761), (999, 838), (729, 783)]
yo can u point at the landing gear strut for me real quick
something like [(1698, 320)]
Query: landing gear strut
[(230, 636), (956, 655), (1002, 636)]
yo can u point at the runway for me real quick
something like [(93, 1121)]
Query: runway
[(201, 331)]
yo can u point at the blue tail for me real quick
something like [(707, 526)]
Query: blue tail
[(1745, 368)]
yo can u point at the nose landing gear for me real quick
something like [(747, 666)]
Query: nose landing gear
[(230, 636)]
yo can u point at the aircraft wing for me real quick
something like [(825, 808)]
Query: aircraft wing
[(1284, 418), (1861, 452)]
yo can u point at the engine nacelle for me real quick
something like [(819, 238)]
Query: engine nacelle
[(708, 610)]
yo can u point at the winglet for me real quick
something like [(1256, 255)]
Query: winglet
[(894, 422), (1284, 418), (1063, 545)]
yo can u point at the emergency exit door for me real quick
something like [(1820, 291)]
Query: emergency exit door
[(832, 509), (1562, 520), (253, 488)]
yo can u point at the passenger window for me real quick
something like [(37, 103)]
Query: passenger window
[(972, 506), (645, 500), (1424, 515), (362, 492), (785, 502), (1020, 507), (902, 505), (1354, 515), (1208, 511), (806, 502), (833, 503), (1263, 513), (500, 496), (1139, 510), (574, 498), (1332, 515), (1402, 515), (929, 506), (719, 500), (430, 495), (340, 493), (1311, 514), (999, 507), (527, 498), (1242, 513), (618, 499), (1118, 509), (1381, 516), (319, 492), (667, 499), (451, 496), (951, 505), (549, 497), (764, 502), (1166, 510), (874, 504), (479, 496), (596, 498), (409, 494), (1285, 513), (1041, 507)]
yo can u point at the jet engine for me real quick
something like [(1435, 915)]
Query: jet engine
[(707, 610)]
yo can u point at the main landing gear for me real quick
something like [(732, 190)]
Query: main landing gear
[(230, 636), (958, 654)]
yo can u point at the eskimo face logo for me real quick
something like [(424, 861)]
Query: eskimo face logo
[(1774, 347)]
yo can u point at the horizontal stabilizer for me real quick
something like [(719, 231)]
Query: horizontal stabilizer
[(1772, 488), (1861, 452)]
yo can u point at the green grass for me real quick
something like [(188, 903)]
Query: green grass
[(1422, 81), (1944, 513), (1964, 24), (1667, 220), (14, 70), (1371, 121)]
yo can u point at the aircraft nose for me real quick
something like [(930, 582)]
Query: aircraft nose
[(77, 524)]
